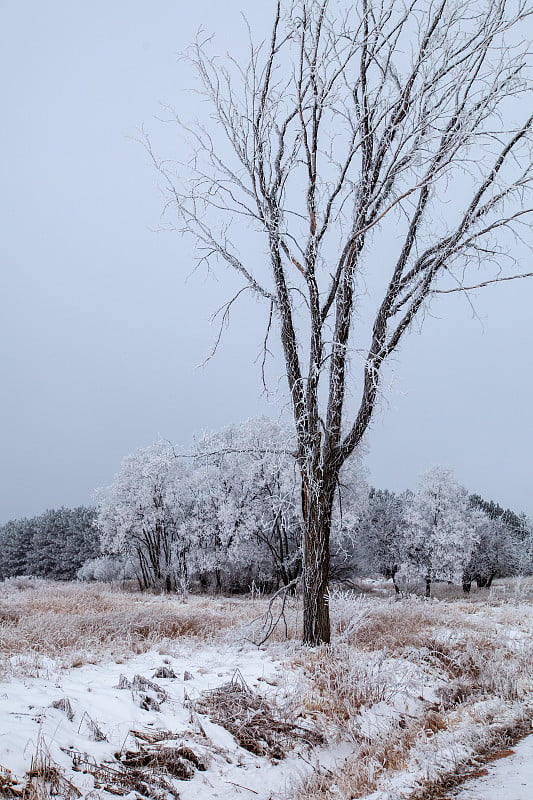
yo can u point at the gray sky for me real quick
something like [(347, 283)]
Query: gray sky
[(101, 333)]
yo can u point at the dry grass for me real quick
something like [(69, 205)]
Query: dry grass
[(79, 623), (258, 725), (477, 658), (474, 652), (85, 622), (44, 780), (361, 773), (391, 624), (149, 770), (376, 624), (8, 784), (340, 682)]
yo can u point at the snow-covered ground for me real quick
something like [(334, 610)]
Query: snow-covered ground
[(410, 692), (509, 778), (98, 719)]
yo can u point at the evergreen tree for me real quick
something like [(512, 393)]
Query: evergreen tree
[(15, 543), (52, 545)]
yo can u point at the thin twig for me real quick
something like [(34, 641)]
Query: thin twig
[(481, 285)]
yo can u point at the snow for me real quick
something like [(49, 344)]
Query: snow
[(366, 701), (509, 778), (29, 722)]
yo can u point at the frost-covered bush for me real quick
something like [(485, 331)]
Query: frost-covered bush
[(106, 569)]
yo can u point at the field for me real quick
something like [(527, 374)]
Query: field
[(109, 693)]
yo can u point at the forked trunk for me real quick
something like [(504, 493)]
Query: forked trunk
[(317, 507)]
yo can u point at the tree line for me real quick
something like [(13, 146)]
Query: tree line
[(51, 545), (226, 516)]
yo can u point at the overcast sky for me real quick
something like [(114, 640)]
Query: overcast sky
[(101, 328)]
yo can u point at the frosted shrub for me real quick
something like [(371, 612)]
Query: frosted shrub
[(106, 569), (349, 611)]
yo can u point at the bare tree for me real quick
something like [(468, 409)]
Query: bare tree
[(380, 119)]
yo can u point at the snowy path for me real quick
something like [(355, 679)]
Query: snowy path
[(509, 778)]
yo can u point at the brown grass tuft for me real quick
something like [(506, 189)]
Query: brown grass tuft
[(121, 779), (258, 725), (339, 683), (46, 779), (8, 784)]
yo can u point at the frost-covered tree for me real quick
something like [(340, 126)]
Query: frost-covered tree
[(355, 124), (144, 515), (502, 547), (246, 510), (380, 545), (525, 557), (514, 522), (441, 528), (15, 544), (247, 507), (495, 553), (226, 514)]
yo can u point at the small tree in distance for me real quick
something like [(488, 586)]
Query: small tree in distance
[(143, 516), (353, 123), (442, 528)]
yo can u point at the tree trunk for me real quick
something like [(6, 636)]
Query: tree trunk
[(394, 570), (317, 507), (428, 586)]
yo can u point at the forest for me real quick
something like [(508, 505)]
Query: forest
[(226, 517)]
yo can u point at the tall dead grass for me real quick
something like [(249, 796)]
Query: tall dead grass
[(477, 665), (340, 682), (78, 623)]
